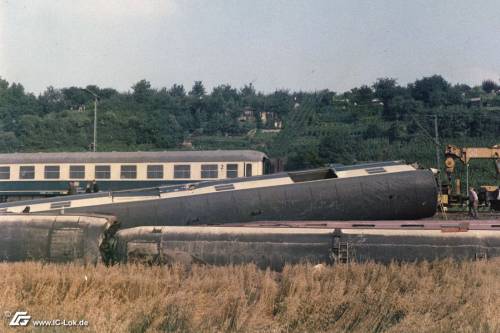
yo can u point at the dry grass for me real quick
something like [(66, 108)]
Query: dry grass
[(425, 297)]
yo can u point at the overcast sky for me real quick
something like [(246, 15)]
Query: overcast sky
[(299, 45)]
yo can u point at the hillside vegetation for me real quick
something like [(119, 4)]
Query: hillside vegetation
[(382, 121), (425, 297)]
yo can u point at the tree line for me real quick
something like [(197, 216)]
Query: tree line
[(381, 121)]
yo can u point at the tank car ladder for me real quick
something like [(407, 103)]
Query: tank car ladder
[(340, 249)]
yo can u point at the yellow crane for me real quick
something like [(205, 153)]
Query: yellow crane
[(464, 155)]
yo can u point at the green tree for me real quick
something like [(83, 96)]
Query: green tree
[(225, 92), (248, 90), (142, 91), (488, 86), (198, 89), (75, 97), (432, 90), (177, 90), (400, 107), (338, 147), (303, 157), (386, 89), (372, 131), (362, 95), (9, 143), (396, 132)]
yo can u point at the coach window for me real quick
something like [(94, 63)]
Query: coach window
[(51, 172), (77, 171), (102, 172), (232, 171), (248, 170), (182, 171), (27, 172), (155, 171), (5, 172), (209, 171), (128, 172)]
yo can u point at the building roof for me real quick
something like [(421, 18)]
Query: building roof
[(135, 157)]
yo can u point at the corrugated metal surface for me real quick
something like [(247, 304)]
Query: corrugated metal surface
[(134, 157)]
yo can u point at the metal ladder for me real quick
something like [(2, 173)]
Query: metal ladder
[(340, 250), (481, 255)]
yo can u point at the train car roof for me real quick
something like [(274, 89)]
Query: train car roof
[(135, 157)]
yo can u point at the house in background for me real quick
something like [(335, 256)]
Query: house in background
[(268, 119), (247, 115)]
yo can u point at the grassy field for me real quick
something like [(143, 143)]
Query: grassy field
[(424, 297)]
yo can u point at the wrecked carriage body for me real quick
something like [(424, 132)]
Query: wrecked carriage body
[(266, 248), (377, 191), (274, 247), (55, 238), (267, 244)]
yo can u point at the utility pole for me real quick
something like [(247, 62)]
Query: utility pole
[(96, 99), (94, 146), (438, 146)]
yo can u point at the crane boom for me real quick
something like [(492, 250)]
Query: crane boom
[(466, 154)]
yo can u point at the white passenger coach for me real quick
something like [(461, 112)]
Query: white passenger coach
[(30, 175)]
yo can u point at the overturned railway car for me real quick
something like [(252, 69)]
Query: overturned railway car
[(379, 191), (55, 238), (275, 247)]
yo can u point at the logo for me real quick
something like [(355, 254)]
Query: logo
[(20, 318)]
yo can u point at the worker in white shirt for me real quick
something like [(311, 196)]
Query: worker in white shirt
[(473, 203)]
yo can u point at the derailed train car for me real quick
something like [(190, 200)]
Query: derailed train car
[(377, 191), (55, 238), (276, 246), (266, 247), (93, 239)]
